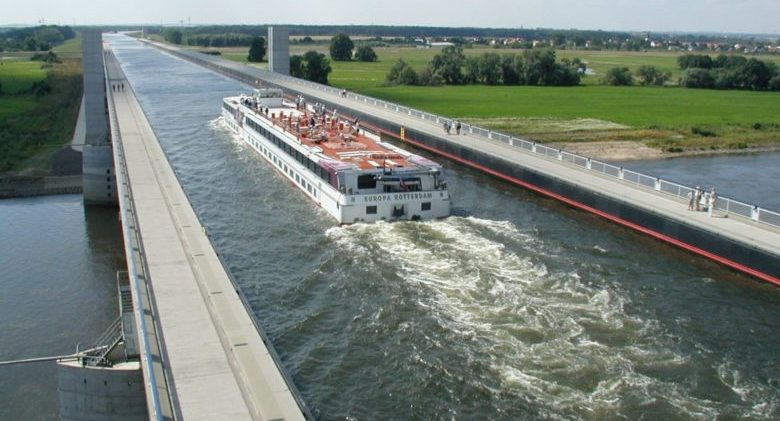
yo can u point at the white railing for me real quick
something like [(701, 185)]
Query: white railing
[(724, 204), (729, 206)]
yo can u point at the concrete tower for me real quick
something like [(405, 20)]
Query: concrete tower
[(98, 160), (279, 50)]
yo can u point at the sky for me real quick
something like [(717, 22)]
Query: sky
[(734, 16)]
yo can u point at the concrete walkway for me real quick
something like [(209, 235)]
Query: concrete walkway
[(742, 230), (216, 360)]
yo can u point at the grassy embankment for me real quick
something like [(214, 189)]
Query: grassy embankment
[(34, 127), (668, 119)]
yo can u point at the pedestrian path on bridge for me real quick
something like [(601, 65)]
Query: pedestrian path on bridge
[(216, 361), (750, 234)]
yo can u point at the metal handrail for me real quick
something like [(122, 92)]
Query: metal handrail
[(125, 190), (617, 173), (630, 177), (244, 300)]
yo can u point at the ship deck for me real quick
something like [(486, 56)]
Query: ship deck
[(336, 139)]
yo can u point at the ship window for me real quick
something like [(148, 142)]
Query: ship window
[(426, 206), (370, 210), (366, 181)]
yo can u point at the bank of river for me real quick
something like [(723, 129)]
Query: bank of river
[(616, 150), (58, 288)]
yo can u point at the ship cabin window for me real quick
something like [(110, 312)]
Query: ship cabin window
[(426, 206), (370, 210), (366, 181)]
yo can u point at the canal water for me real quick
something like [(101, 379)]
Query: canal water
[(753, 178), (515, 307), (57, 290)]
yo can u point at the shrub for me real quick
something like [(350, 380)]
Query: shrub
[(40, 88), (774, 83), (618, 76), (703, 132), (366, 53), (341, 47), (256, 50), (430, 77), (697, 78)]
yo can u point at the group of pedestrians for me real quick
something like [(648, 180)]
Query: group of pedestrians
[(300, 103), (449, 125), (698, 198), (116, 87)]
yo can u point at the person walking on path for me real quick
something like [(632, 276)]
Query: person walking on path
[(712, 202), (690, 200), (698, 199), (457, 127)]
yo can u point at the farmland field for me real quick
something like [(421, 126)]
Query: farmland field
[(669, 119), (19, 74), (33, 128)]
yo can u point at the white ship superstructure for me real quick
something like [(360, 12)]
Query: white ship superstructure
[(348, 171)]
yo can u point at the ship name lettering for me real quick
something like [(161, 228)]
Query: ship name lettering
[(399, 196)]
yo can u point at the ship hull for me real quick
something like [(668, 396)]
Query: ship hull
[(345, 208)]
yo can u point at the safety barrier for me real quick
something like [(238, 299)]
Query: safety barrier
[(723, 204), (158, 403)]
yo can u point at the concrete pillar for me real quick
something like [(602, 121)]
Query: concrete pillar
[(98, 161), (99, 179), (279, 50), (101, 393)]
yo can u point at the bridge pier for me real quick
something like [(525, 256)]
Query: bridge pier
[(99, 184)]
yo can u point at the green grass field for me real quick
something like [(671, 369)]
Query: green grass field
[(18, 75), (631, 106), (663, 117), (33, 128), (12, 106), (72, 47)]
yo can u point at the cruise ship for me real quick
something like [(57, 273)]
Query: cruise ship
[(345, 169)]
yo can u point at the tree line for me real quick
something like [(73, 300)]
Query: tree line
[(417, 31), (177, 36), (702, 71), (728, 72), (38, 38), (537, 67)]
